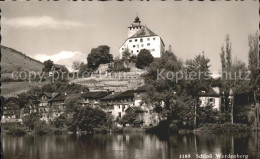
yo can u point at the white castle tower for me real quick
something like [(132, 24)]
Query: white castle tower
[(140, 37)]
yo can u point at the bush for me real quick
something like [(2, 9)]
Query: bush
[(173, 127), (41, 127), (226, 127), (117, 129), (17, 130), (102, 129)]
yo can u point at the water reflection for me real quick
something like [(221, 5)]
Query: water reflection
[(117, 146)]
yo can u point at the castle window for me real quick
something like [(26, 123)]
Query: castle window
[(135, 40), (130, 40), (142, 45), (122, 48), (153, 38), (148, 44), (141, 40), (148, 39), (153, 49), (133, 45), (132, 51), (137, 46), (137, 50)]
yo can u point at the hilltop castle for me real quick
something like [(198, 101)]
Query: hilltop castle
[(140, 37)]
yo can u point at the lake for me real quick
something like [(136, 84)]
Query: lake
[(129, 146)]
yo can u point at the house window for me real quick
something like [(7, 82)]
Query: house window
[(211, 100), (148, 44), (123, 108), (119, 114)]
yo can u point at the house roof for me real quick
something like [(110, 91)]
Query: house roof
[(111, 96), (126, 94), (95, 95), (32, 97), (141, 89), (59, 97), (212, 92), (120, 95), (137, 109), (16, 100), (144, 32), (50, 95)]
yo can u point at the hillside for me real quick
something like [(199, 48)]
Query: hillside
[(13, 60)]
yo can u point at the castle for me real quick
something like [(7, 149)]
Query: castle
[(140, 37)]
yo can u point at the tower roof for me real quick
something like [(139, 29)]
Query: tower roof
[(137, 19)]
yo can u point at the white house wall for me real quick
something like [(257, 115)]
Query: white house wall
[(215, 104), (153, 44)]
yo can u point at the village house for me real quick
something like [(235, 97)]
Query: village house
[(57, 105), (44, 104), (141, 37), (11, 111), (148, 116), (31, 105), (141, 115), (117, 103), (211, 97), (92, 99)]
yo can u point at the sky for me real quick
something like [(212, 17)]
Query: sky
[(67, 31)]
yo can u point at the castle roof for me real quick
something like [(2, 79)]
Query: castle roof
[(144, 32)]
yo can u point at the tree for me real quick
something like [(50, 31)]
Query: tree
[(87, 118), (72, 103), (198, 79), (144, 59), (126, 55), (76, 65), (31, 120), (233, 76), (253, 63), (47, 65), (133, 58), (254, 69), (99, 55), (83, 70)]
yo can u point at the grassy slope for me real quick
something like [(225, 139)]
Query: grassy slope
[(11, 89), (12, 60)]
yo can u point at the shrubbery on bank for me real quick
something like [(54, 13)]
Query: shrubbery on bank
[(225, 127)]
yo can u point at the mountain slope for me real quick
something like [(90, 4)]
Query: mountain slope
[(13, 60)]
